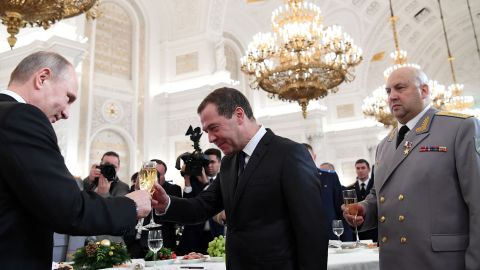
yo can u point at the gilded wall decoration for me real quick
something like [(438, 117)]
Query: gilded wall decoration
[(113, 41)]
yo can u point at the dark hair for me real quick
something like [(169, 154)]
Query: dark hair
[(158, 161), (134, 177), (111, 153), (227, 100), (214, 151), (363, 161), (35, 61)]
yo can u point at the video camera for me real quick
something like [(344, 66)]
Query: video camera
[(195, 161)]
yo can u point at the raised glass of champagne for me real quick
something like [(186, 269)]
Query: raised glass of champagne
[(147, 178)]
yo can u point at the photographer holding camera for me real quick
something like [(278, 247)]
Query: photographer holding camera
[(103, 178)]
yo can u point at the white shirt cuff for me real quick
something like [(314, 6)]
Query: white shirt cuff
[(187, 189), (166, 208)]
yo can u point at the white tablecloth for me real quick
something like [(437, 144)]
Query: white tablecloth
[(361, 259)]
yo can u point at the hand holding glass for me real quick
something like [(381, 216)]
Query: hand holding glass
[(147, 178), (350, 200)]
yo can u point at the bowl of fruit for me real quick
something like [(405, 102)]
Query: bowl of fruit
[(216, 249)]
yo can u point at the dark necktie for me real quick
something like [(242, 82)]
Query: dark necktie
[(210, 180), (241, 162), (401, 134), (240, 166), (363, 192)]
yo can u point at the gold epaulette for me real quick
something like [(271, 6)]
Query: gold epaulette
[(453, 114)]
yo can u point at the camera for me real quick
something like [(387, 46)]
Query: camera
[(195, 161), (108, 171)]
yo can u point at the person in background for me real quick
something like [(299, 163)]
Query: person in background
[(362, 186), (99, 183), (427, 171), (38, 195), (326, 166), (133, 180), (332, 199), (266, 185)]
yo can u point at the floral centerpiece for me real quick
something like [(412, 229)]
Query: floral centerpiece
[(98, 255)]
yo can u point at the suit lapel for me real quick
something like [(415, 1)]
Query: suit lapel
[(252, 164), (228, 178), (415, 136)]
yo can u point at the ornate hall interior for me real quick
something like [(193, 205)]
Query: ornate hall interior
[(145, 65)]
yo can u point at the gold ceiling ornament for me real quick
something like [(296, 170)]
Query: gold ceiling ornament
[(17, 14), (301, 60), (453, 99), (376, 105)]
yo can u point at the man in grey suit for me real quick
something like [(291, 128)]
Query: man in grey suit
[(268, 186), (427, 179)]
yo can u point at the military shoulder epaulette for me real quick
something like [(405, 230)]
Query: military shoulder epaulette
[(453, 114)]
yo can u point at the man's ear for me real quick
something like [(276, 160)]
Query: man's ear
[(41, 76), (239, 113)]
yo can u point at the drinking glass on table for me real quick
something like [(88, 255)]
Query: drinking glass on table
[(337, 227), (147, 178), (155, 243), (350, 201)]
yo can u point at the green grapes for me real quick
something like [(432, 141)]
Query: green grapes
[(216, 248)]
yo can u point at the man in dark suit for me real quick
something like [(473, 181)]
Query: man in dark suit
[(362, 186), (267, 185), (332, 199), (37, 194), (137, 240)]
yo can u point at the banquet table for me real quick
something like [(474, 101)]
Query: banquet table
[(359, 259)]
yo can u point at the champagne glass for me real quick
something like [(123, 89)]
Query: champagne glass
[(337, 227), (350, 200), (147, 178), (155, 243)]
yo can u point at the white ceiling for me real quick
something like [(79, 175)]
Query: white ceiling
[(419, 28)]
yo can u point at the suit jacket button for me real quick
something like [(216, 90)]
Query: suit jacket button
[(382, 219), (403, 240), (384, 239), (401, 197), (401, 218), (382, 199)]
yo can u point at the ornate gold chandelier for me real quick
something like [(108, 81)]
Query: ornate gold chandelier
[(17, 14), (452, 100), (301, 60)]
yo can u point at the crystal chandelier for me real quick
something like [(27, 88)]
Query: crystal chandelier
[(453, 100), (301, 60), (17, 14), (376, 105)]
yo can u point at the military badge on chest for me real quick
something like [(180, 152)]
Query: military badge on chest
[(407, 147)]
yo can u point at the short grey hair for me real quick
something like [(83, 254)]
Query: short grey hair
[(42, 59)]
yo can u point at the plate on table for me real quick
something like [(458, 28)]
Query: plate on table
[(159, 262), (216, 259), (199, 260)]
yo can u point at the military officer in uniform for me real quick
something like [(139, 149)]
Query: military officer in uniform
[(427, 179)]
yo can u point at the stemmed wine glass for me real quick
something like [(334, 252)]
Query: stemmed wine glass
[(350, 200), (155, 243), (147, 178), (337, 227)]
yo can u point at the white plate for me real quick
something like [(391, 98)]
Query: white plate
[(192, 260), (347, 250), (159, 262), (216, 259)]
